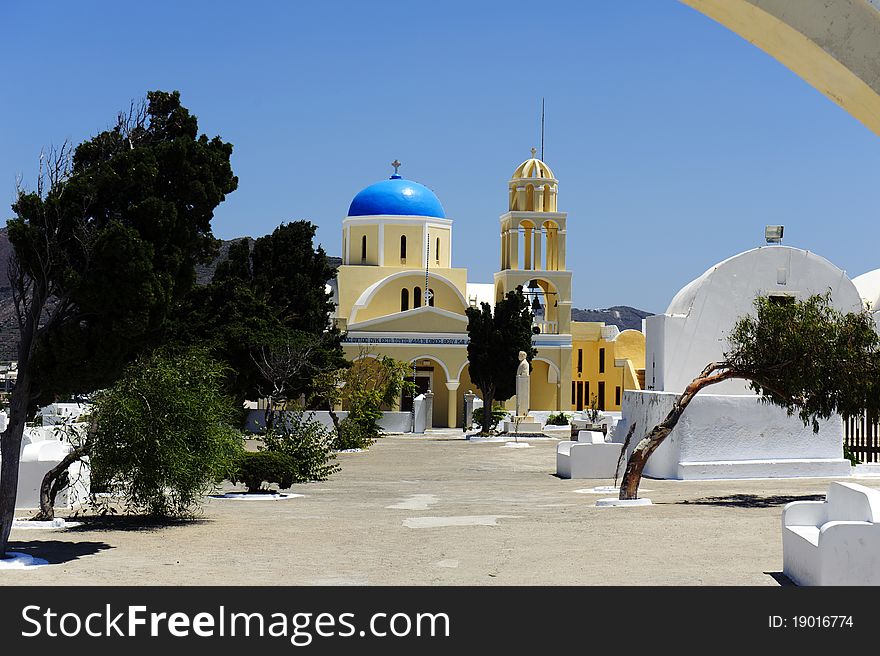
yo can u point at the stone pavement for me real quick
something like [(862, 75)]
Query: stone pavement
[(438, 510)]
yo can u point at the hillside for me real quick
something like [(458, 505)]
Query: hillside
[(622, 316)]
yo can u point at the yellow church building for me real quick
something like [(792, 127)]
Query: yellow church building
[(605, 362), (398, 293)]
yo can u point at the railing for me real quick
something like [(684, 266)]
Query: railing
[(862, 437), (547, 327)]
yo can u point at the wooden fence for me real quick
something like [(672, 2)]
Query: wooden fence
[(862, 437)]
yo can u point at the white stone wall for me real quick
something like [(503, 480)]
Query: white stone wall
[(390, 422), (732, 436)]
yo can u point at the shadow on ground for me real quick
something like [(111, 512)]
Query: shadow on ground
[(57, 552), (130, 523), (780, 578), (752, 500)]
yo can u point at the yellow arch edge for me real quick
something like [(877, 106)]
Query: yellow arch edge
[(844, 68)]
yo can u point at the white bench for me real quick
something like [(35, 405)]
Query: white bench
[(833, 542), (590, 457)]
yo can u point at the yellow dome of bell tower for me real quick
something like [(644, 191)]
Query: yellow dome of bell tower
[(532, 187)]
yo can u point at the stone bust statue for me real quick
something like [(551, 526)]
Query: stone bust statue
[(523, 368)]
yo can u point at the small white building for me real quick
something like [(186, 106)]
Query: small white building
[(693, 330), (727, 432)]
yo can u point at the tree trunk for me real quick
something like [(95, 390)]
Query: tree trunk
[(629, 486), (19, 406), (10, 454), (333, 417), (488, 400), (48, 489), (269, 415)]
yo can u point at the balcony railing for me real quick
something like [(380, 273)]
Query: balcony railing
[(547, 327)]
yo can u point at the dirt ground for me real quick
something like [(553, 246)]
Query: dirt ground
[(439, 510)]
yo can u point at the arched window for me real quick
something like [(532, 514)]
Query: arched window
[(417, 297), (403, 247), (437, 251), (363, 249), (404, 299), (431, 299)]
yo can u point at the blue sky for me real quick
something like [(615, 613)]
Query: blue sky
[(674, 140)]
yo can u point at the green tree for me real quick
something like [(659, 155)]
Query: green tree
[(804, 356), (495, 340), (260, 300), (292, 274), (364, 388), (229, 317), (290, 363), (103, 248), (163, 432)]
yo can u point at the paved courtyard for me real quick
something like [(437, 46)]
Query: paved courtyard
[(439, 510)]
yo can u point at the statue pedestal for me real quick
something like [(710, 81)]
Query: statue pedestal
[(523, 424), (522, 396)]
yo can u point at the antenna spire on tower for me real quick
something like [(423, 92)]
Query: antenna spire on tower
[(542, 129)]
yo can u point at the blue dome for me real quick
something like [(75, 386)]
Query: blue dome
[(396, 196)]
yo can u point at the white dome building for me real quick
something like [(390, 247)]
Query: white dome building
[(727, 432), (693, 330)]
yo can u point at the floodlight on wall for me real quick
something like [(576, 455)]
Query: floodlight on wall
[(773, 234)]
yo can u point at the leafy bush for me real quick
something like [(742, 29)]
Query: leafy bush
[(849, 455), (163, 437), (498, 414), (308, 443), (363, 389), (254, 469), (560, 419), (593, 412), (354, 434)]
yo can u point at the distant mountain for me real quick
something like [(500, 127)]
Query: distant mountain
[(622, 316)]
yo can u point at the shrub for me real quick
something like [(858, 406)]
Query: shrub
[(308, 443), (354, 434), (370, 384), (163, 437), (849, 455), (498, 414), (559, 419), (254, 469)]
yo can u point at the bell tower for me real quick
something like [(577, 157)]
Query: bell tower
[(533, 247)]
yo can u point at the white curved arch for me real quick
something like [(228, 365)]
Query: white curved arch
[(434, 359), (461, 369), (370, 292), (832, 45)]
